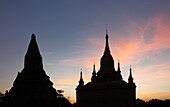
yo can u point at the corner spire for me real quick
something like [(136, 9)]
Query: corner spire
[(81, 82), (94, 69), (33, 57), (118, 69), (130, 71), (93, 73), (130, 79), (81, 77)]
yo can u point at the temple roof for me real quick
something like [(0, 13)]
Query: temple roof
[(33, 57)]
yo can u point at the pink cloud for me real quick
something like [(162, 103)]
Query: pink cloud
[(144, 37)]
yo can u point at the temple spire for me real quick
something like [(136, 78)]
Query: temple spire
[(93, 73), (107, 50), (33, 57), (106, 31), (107, 70), (130, 79), (81, 82)]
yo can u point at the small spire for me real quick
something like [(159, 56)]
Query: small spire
[(93, 73), (81, 82), (118, 69), (94, 69), (107, 37), (81, 77), (130, 71), (130, 79), (106, 31)]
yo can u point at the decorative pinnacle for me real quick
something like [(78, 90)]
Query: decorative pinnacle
[(118, 69), (94, 70), (107, 50), (107, 37), (130, 76), (106, 31), (93, 73), (130, 71), (81, 74), (81, 82)]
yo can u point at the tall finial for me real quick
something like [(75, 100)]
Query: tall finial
[(106, 31), (130, 79), (118, 68), (81, 77), (93, 73), (94, 70), (107, 37), (81, 82), (107, 50), (130, 71)]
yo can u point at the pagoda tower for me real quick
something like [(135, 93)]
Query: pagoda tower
[(107, 87), (32, 86)]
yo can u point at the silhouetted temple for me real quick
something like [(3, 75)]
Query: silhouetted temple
[(107, 88), (32, 87)]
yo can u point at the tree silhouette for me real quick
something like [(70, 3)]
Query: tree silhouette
[(1, 97), (60, 93), (152, 103)]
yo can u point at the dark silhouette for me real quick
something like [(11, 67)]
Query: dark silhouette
[(152, 103), (60, 93), (1, 98), (63, 102), (107, 88), (32, 87)]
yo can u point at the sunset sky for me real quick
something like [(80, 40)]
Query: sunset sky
[(71, 36)]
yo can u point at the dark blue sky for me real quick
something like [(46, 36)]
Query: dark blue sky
[(70, 34)]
